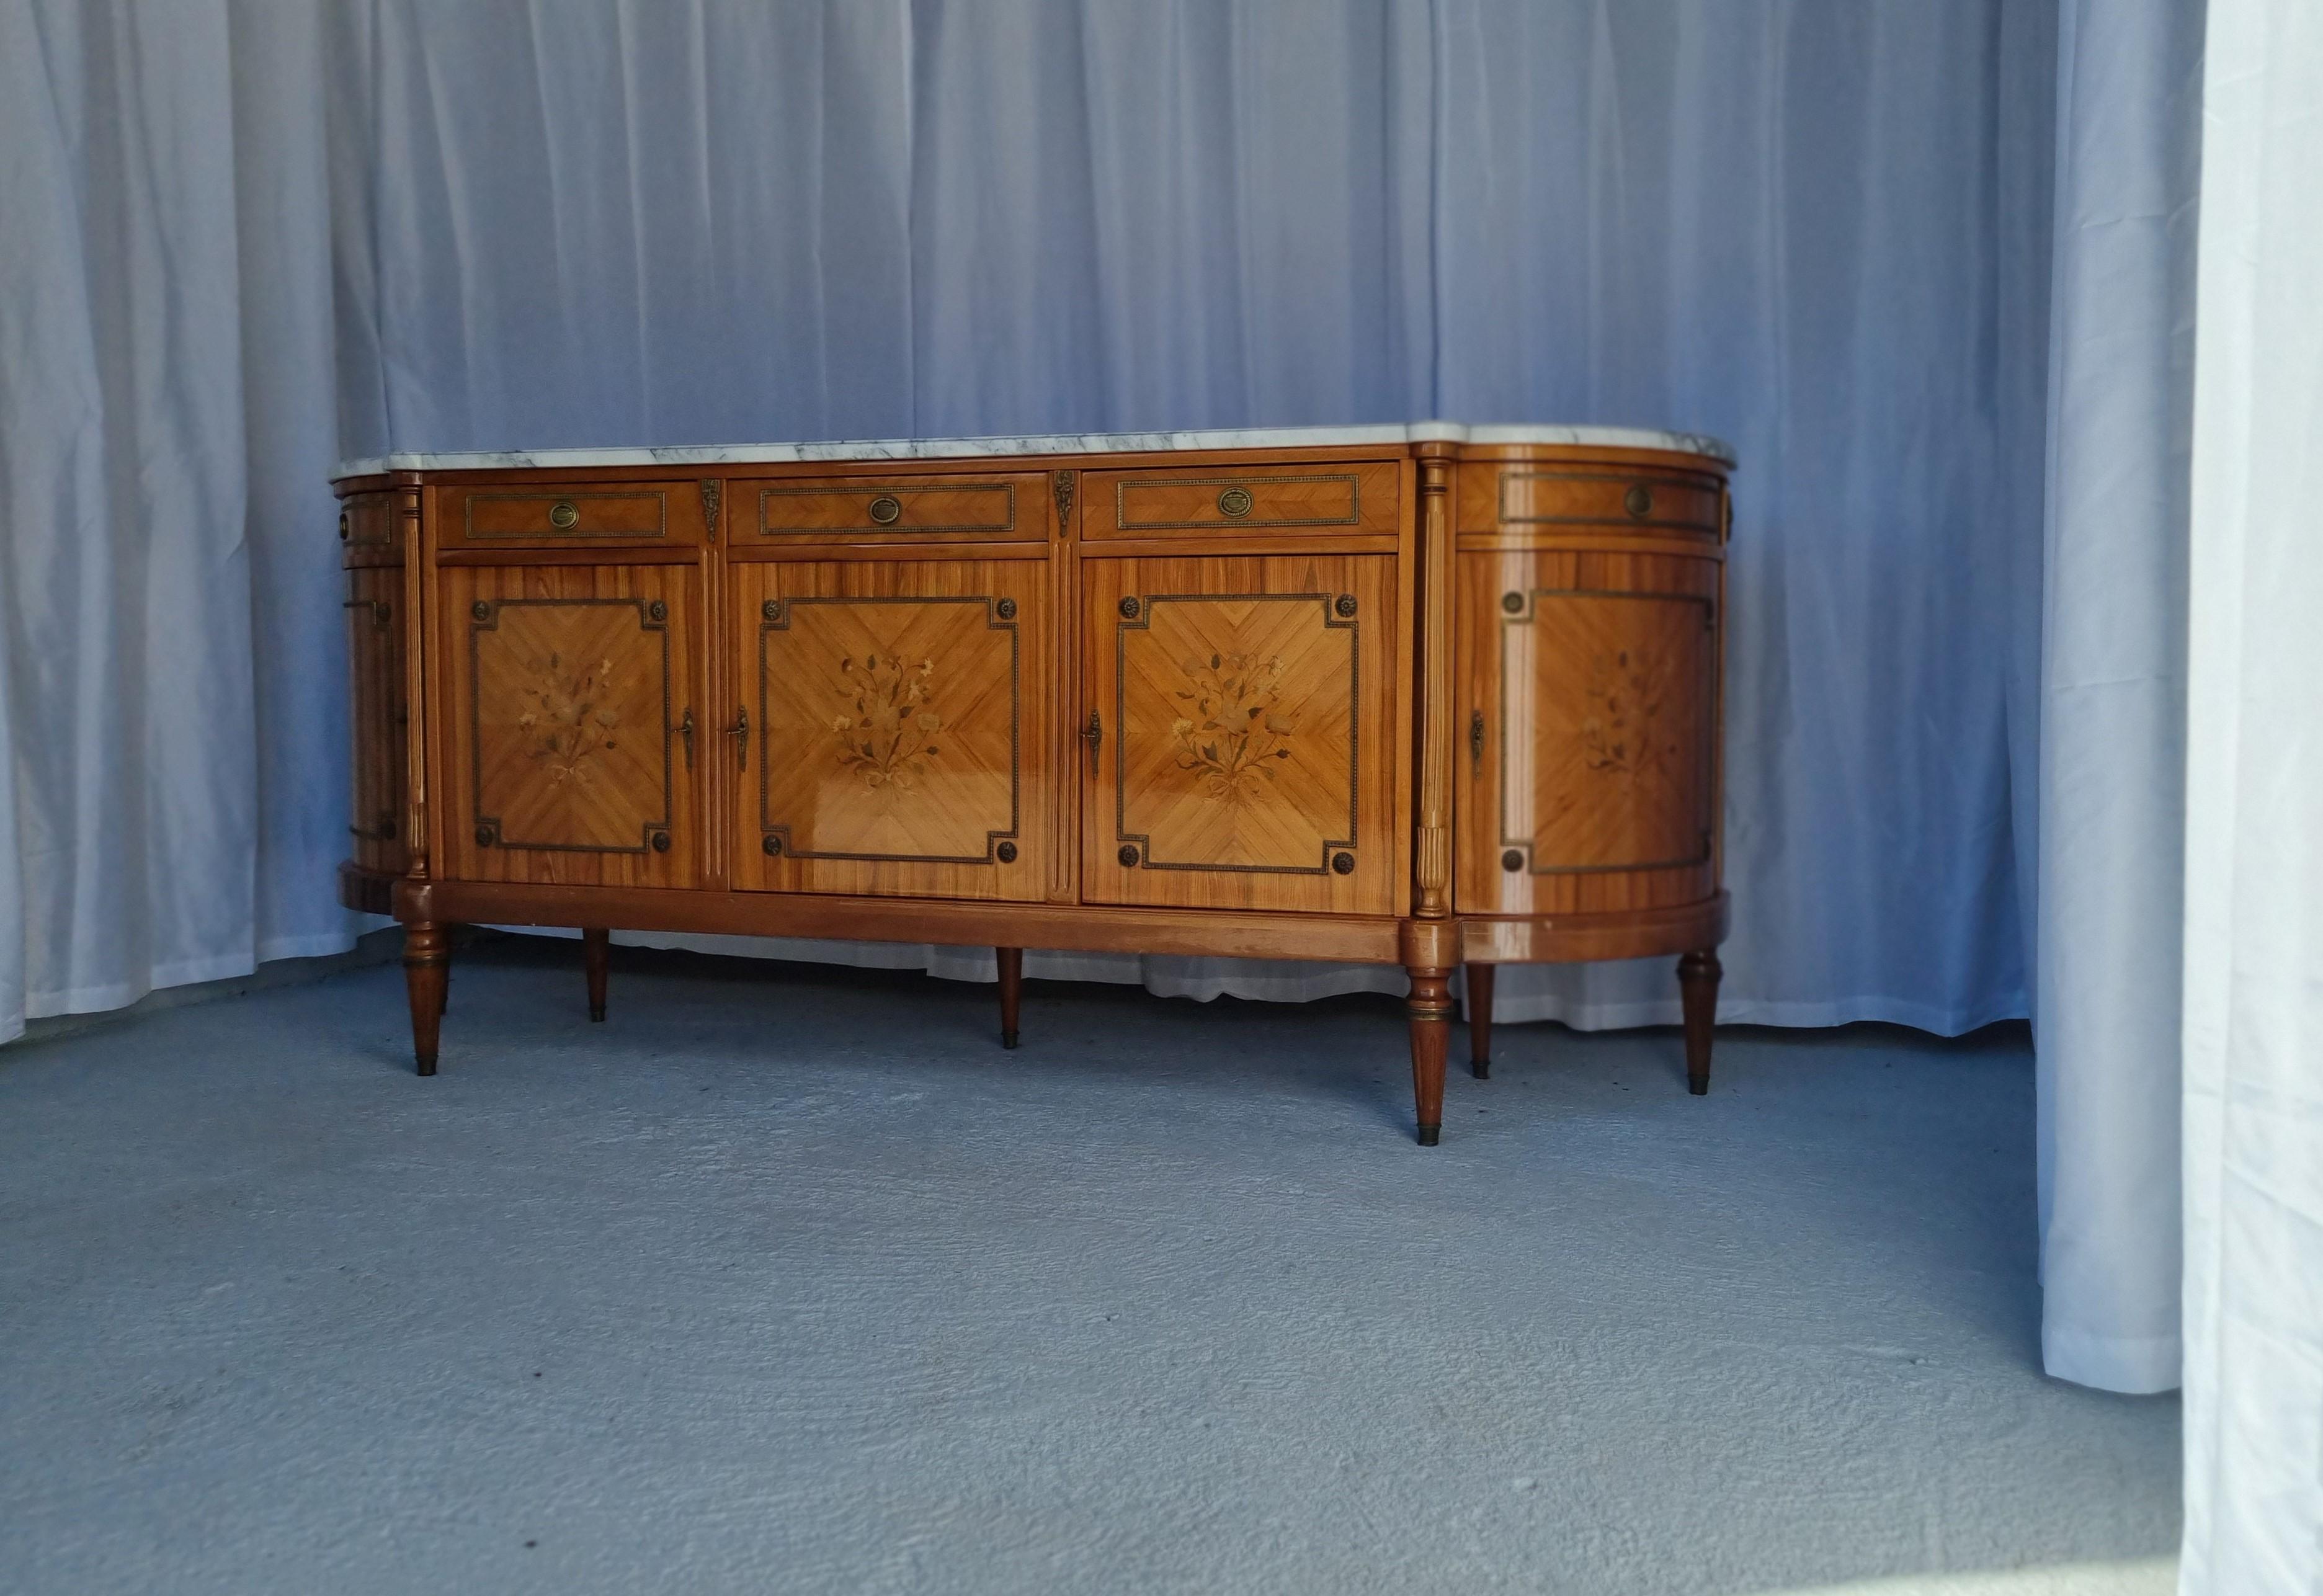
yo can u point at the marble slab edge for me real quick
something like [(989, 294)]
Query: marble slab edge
[(1073, 442)]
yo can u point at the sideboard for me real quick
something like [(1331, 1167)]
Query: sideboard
[(1434, 694)]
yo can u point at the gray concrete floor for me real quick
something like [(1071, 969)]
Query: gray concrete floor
[(787, 1278)]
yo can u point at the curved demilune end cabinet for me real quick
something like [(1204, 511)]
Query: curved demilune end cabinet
[(1431, 695)]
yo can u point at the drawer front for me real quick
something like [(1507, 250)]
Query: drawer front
[(552, 515), (367, 530), (984, 508), (1331, 496), (1518, 497)]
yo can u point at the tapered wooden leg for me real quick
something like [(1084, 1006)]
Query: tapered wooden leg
[(1697, 985), (427, 959), (1012, 988), (596, 958), (1480, 1019), (1430, 1008)]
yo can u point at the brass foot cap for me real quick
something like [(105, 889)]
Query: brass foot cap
[(1428, 1133), (1008, 1039)]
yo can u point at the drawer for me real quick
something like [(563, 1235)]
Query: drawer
[(555, 514), (1328, 497), (876, 507), (1531, 496), (368, 534)]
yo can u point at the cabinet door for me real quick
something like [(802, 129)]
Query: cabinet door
[(1248, 715), (905, 730), (1590, 750), (571, 697), (376, 718)]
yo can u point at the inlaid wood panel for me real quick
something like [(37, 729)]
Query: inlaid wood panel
[(561, 514), (572, 721), (1590, 758), (903, 716), (376, 628), (913, 507), (1328, 497), (1246, 711)]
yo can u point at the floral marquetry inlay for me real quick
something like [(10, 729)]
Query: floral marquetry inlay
[(1233, 727), (571, 716), (1624, 730), (888, 738)]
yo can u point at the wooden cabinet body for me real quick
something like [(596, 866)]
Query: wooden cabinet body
[(1425, 700)]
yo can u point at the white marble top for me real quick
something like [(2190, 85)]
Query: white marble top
[(1072, 443)]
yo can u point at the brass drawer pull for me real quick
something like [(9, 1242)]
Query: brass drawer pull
[(887, 510), (1092, 734), (563, 517), (1638, 501), (685, 731), (741, 732), (1235, 502), (1475, 743)]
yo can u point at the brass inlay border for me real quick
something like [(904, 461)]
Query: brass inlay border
[(869, 491), (1144, 622), (490, 622), (1624, 518), (468, 514), (1122, 523), (1524, 616), (994, 621)]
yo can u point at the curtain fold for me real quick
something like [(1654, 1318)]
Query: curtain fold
[(2254, 927), (2112, 695)]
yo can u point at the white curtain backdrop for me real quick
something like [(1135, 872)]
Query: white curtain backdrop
[(2254, 990), (2112, 689), (1801, 227)]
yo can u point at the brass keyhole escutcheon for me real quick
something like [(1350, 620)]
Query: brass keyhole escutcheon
[(1345, 607), (887, 510), (1128, 854), (1512, 861), (772, 847), (1638, 501), (1235, 502), (1343, 864), (563, 518), (1006, 610), (1005, 853), (1514, 603), (1129, 610)]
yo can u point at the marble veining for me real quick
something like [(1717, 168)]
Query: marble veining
[(1072, 443)]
